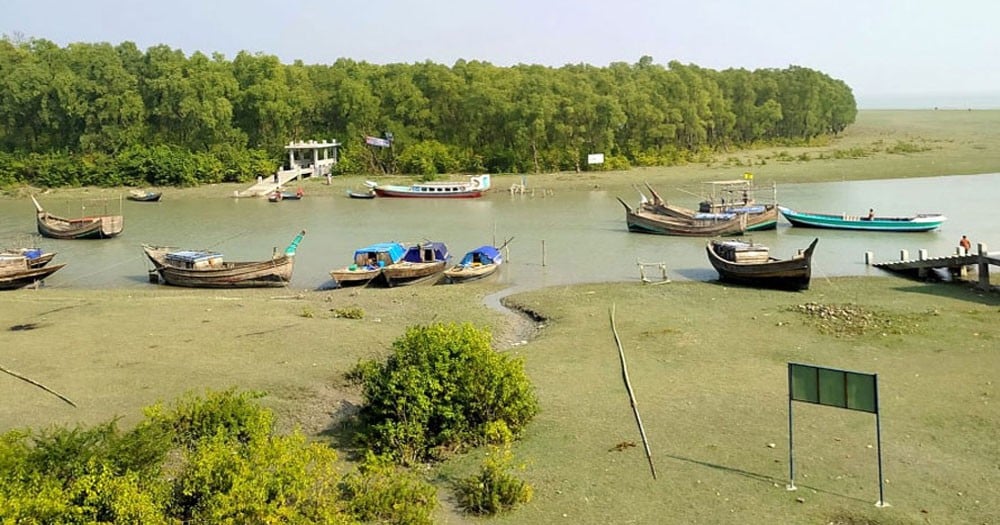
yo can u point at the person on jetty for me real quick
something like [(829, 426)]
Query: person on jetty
[(965, 244), (871, 214)]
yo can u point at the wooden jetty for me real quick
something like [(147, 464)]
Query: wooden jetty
[(305, 159), (957, 264)]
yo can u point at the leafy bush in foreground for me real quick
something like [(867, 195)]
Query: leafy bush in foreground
[(206, 460), (443, 388)]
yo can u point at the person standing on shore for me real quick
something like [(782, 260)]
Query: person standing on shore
[(965, 244)]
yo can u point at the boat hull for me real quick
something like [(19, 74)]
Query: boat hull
[(788, 274), (916, 223), (463, 274), (410, 273), (472, 189), (276, 272), (103, 227), (12, 279), (149, 196), (644, 221), (346, 277)]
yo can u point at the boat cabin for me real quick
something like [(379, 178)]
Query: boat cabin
[(195, 260), (742, 252)]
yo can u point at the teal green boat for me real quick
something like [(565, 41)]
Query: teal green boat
[(916, 223)]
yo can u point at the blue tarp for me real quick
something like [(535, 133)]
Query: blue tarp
[(394, 249), (483, 255), (415, 253)]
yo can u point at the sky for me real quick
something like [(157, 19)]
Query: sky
[(892, 53)]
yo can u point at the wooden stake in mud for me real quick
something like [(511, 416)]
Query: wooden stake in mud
[(39, 385), (631, 395)]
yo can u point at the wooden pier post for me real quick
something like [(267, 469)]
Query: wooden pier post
[(922, 254), (904, 255), (869, 258), (543, 252), (984, 268)]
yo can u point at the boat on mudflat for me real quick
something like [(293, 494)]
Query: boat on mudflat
[(144, 196), (16, 271), (474, 187), (477, 264), (208, 269), (90, 227), (746, 263), (423, 263), (368, 264), (921, 222)]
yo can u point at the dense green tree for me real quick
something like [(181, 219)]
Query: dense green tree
[(88, 100)]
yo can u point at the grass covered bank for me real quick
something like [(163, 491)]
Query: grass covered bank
[(706, 361), (708, 366)]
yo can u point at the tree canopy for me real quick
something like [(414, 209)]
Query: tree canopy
[(100, 99)]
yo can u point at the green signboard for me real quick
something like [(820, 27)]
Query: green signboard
[(833, 387)]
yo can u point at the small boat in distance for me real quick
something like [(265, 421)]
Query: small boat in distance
[(17, 272), (370, 194), (474, 187), (477, 264), (368, 264), (144, 196), (743, 262), (90, 227), (423, 263), (207, 269), (280, 195), (914, 223)]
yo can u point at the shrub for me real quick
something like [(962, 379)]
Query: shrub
[(493, 489), (349, 312), (380, 492), (271, 480), (231, 414), (442, 388)]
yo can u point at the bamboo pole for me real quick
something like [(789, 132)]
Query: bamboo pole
[(39, 385), (543, 252), (631, 395)]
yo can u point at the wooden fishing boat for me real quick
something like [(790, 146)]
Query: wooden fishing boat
[(747, 263), (36, 257), (144, 196), (474, 187), (368, 264), (93, 227), (370, 194), (921, 222), (476, 264), (422, 263), (642, 220), (208, 269), (17, 272), (715, 216)]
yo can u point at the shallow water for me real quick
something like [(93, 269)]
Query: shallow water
[(561, 238)]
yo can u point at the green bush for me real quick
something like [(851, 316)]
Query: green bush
[(234, 415), (380, 492), (442, 388), (269, 480), (494, 489)]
